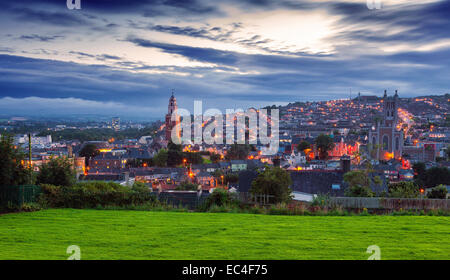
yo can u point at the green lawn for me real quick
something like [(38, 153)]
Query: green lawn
[(169, 235)]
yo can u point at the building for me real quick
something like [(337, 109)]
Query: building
[(36, 141), (115, 123), (170, 124), (238, 165), (386, 140)]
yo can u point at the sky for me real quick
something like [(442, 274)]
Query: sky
[(123, 58)]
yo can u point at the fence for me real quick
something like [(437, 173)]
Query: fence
[(18, 195), (389, 203), (262, 199)]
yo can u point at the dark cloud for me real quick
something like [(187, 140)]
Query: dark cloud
[(62, 17), (237, 79), (36, 37), (192, 53)]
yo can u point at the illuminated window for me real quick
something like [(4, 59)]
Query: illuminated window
[(385, 142)]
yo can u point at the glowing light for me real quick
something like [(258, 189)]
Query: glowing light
[(388, 156)]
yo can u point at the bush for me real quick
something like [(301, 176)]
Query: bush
[(404, 190), (93, 195), (438, 192), (320, 200), (220, 197), (58, 171)]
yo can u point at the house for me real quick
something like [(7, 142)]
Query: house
[(406, 174), (318, 182), (327, 182), (206, 180), (122, 178), (245, 180), (238, 165)]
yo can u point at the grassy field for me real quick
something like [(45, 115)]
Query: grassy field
[(169, 235)]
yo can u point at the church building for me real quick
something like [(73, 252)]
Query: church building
[(169, 123), (386, 141)]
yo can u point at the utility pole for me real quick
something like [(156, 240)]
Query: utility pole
[(29, 158)]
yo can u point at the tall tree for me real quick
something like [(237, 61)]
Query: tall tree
[(89, 151), (358, 184), (58, 172), (324, 143), (273, 181), (12, 169), (160, 159), (174, 154)]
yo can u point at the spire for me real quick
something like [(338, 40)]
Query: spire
[(396, 93), (385, 94), (173, 90)]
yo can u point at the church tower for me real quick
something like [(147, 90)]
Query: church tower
[(172, 108), (386, 140)]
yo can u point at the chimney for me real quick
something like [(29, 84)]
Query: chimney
[(345, 163), (276, 162)]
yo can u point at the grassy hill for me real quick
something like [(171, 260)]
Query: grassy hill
[(169, 235)]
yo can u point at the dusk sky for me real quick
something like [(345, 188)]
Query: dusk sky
[(124, 57)]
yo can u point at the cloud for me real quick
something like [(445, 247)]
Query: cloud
[(35, 106), (65, 18), (194, 53), (36, 37), (230, 53)]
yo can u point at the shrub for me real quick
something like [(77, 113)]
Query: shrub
[(438, 192), (94, 195), (273, 181), (404, 190), (58, 171), (220, 197), (320, 200)]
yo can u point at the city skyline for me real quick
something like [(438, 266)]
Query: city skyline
[(124, 58)]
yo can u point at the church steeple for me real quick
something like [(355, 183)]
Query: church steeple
[(171, 109), (172, 104)]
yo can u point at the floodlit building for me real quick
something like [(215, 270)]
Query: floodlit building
[(386, 139)]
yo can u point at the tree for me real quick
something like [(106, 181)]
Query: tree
[(192, 157), (174, 154), (273, 181), (404, 190), (419, 173), (447, 151), (436, 176), (324, 143), (187, 186), (220, 197), (238, 151), (439, 192), (303, 146), (12, 169), (358, 184), (89, 151), (160, 159), (58, 172)]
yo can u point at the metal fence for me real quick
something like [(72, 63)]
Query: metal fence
[(16, 196), (389, 203), (261, 199)]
